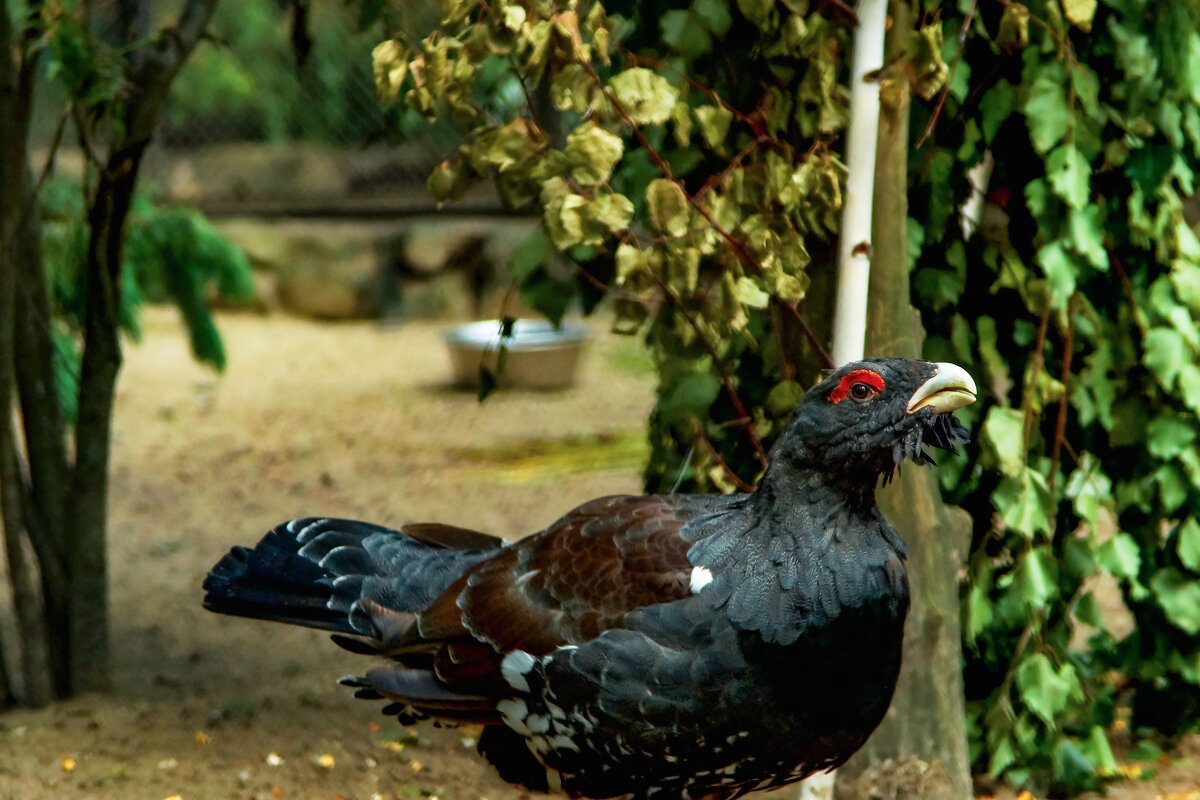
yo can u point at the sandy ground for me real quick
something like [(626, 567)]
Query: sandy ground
[(352, 420)]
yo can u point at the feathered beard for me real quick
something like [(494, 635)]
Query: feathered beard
[(942, 431)]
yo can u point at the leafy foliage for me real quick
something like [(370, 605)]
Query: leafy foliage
[(171, 254), (1076, 303), (278, 78), (706, 202), (695, 194)]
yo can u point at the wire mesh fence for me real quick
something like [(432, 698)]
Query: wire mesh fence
[(279, 111)]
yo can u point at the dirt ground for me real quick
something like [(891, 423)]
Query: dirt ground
[(350, 420)]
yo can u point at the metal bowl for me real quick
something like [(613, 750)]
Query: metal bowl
[(536, 356)]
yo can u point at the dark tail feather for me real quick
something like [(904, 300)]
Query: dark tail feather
[(274, 582)]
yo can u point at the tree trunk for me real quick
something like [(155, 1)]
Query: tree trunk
[(920, 750), (60, 506), (87, 567)]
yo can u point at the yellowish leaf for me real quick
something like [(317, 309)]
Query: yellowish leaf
[(1080, 13)]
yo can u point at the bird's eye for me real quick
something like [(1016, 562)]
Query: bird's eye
[(863, 391)]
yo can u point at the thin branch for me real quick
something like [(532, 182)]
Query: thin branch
[(755, 125), (716, 456), (722, 373), (813, 341), (786, 369), (55, 142), (738, 246), (958, 55), (718, 178), (1060, 424), (1039, 359), (1063, 45)]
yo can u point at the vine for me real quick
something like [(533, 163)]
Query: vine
[(1076, 301), (682, 155)]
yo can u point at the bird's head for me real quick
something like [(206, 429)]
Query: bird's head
[(866, 417)]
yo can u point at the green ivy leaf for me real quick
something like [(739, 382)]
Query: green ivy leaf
[(1188, 546), (685, 33), (1173, 486), (1045, 690), (1069, 173), (646, 96), (1071, 766), (1036, 577), (715, 14), (1089, 489), (1179, 597), (1165, 354), (1046, 111), (1087, 233), (997, 105), (1121, 557), (979, 607), (1189, 386), (1059, 267), (1003, 431), (690, 398), (1169, 434)]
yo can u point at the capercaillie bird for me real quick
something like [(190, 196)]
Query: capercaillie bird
[(667, 646)]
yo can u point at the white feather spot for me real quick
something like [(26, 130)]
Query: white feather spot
[(701, 577), (564, 743), (514, 667), (538, 724), (514, 711)]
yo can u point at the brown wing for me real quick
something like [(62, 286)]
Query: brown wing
[(562, 586)]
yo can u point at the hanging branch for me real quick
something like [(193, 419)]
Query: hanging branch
[(958, 55), (1060, 423), (743, 417), (1039, 359)]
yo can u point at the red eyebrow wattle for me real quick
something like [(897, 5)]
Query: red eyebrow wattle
[(869, 377)]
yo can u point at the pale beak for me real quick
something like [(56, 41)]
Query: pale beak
[(949, 389)]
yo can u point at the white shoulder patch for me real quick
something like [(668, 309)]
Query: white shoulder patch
[(701, 577), (514, 667)]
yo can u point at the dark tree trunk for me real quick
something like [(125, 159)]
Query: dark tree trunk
[(87, 511), (920, 750), (56, 504)]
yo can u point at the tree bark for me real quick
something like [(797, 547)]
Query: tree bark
[(152, 69), (920, 750)]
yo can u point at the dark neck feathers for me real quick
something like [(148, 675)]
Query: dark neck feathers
[(800, 551)]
